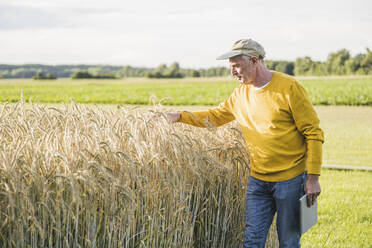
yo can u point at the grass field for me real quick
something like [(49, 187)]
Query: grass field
[(202, 91), (348, 134), (344, 212), (344, 209)]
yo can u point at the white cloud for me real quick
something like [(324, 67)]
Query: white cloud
[(148, 33)]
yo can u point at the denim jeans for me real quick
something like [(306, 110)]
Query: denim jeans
[(266, 198)]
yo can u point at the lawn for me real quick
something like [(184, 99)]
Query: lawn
[(202, 91), (348, 134), (344, 211)]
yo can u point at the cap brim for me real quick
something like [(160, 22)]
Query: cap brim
[(229, 55)]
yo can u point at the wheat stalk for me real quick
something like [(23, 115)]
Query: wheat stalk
[(80, 176)]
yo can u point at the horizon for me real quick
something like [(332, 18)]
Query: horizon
[(147, 34), (167, 64)]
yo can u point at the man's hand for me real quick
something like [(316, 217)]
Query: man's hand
[(172, 117), (312, 189)]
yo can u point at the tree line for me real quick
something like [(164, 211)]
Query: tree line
[(338, 63)]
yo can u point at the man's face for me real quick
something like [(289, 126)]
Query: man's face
[(242, 69)]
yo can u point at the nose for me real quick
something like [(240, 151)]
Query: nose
[(233, 71)]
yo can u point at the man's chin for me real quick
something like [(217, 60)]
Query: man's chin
[(241, 80), (247, 81)]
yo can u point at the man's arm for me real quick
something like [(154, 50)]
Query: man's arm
[(314, 161), (307, 123), (217, 116)]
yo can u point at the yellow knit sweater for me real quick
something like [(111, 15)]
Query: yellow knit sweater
[(279, 124)]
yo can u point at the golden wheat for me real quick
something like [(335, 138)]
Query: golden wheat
[(78, 176)]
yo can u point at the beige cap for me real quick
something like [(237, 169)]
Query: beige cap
[(245, 46)]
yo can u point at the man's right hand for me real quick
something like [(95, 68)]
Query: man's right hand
[(173, 116)]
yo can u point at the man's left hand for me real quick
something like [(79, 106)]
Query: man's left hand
[(312, 189)]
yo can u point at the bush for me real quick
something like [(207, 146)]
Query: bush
[(87, 75), (81, 74), (195, 73), (41, 76), (163, 72)]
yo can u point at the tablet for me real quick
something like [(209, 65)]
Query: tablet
[(308, 215)]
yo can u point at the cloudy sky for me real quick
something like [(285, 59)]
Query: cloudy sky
[(192, 32)]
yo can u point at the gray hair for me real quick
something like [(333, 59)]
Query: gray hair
[(247, 58)]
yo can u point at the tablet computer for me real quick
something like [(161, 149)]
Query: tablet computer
[(308, 215)]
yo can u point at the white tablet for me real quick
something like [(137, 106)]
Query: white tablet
[(308, 215)]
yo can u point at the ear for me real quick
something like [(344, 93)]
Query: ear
[(254, 60)]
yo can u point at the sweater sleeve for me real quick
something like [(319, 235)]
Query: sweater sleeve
[(217, 116), (307, 122)]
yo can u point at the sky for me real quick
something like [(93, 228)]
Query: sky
[(193, 32)]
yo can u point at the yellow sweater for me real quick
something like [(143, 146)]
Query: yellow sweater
[(279, 124)]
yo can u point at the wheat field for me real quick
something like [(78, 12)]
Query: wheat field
[(78, 176)]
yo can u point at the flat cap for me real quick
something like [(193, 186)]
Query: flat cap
[(247, 47)]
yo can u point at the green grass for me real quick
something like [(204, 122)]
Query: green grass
[(348, 134), (202, 91), (344, 211), (177, 92), (339, 91)]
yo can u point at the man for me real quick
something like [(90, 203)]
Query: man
[(283, 137)]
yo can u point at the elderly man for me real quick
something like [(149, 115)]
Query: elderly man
[(283, 137)]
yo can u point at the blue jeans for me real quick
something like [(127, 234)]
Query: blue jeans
[(266, 198)]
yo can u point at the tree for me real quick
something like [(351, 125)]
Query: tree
[(357, 63), (195, 73), (161, 68), (41, 76), (163, 72), (282, 66), (50, 76), (366, 63), (81, 74), (173, 71), (319, 69), (336, 62), (303, 66)]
